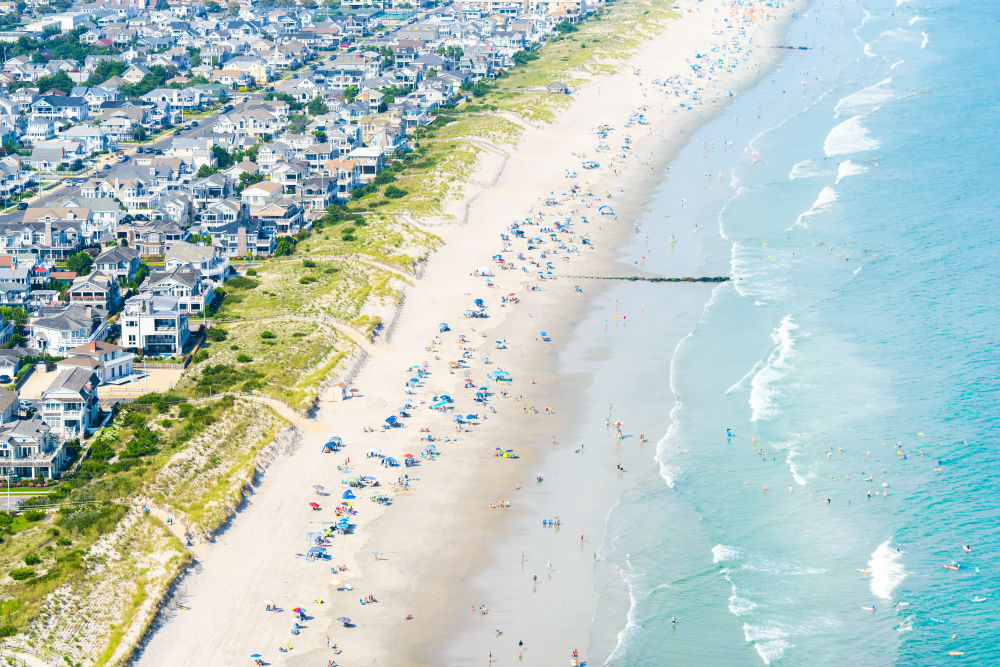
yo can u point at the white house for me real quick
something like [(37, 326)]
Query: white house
[(69, 406), (154, 325)]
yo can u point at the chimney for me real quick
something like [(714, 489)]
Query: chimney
[(93, 346), (241, 241), (47, 236), (89, 311)]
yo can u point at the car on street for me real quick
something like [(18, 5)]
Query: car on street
[(107, 166), (176, 133), (123, 158), (22, 206)]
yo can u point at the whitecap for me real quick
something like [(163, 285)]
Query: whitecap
[(869, 96), (923, 40), (739, 606), (849, 168), (826, 197), (805, 169), (768, 640), (896, 64), (761, 390), (722, 552), (887, 570), (849, 137), (917, 18)]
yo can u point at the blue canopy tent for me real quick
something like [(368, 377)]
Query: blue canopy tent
[(348, 495), (333, 444)]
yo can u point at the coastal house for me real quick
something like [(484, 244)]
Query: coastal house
[(154, 325), (57, 330), (107, 361), (29, 448), (70, 406), (118, 261)]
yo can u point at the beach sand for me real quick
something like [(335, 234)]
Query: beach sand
[(434, 552)]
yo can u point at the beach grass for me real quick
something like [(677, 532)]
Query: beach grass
[(281, 354), (87, 577)]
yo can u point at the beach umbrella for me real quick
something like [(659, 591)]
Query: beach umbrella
[(314, 506), (256, 655), (390, 420), (297, 610), (344, 620), (318, 487), (408, 456)]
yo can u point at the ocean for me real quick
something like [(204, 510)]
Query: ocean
[(852, 197)]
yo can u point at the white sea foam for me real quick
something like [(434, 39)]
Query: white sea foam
[(826, 197), (722, 553), (768, 640), (869, 96), (915, 19), (761, 385), (896, 64), (630, 623), (793, 468), (923, 40), (739, 606), (887, 570), (849, 137), (849, 168), (806, 169)]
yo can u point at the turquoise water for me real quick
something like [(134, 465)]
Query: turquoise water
[(852, 195)]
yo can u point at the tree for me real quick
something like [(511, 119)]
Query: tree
[(350, 93), (224, 158), (16, 314), (320, 136), (450, 52), (284, 246), (316, 107), (105, 70), (195, 54), (205, 171), (431, 73), (80, 263), (211, 7)]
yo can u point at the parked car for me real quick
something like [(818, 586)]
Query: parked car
[(123, 158), (107, 166), (22, 206), (5, 379), (176, 133), (140, 149)]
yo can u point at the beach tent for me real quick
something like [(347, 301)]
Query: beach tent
[(606, 210), (373, 453), (348, 494)]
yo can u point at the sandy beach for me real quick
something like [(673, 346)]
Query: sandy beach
[(432, 553)]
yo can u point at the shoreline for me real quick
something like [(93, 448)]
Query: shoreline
[(420, 576)]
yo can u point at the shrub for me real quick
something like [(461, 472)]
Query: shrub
[(244, 358), (242, 282), (394, 192), (200, 356), (217, 334), (305, 280), (32, 516), (267, 335), (308, 263), (32, 559), (21, 573), (251, 272)]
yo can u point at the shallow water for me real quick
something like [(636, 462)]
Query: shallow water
[(854, 353)]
